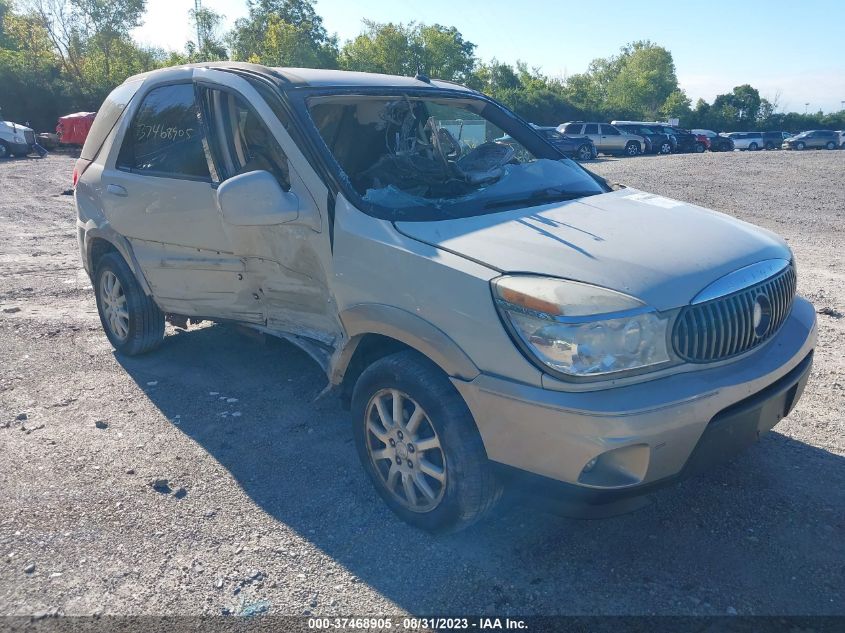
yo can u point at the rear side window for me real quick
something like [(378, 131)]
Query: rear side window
[(165, 138), (572, 128), (591, 128), (107, 116), (609, 130)]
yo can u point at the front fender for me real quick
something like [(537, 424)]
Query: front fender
[(403, 326)]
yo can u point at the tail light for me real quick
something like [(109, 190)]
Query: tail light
[(78, 169)]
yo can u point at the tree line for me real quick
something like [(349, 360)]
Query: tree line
[(62, 56)]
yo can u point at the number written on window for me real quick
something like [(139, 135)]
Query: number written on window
[(165, 137)]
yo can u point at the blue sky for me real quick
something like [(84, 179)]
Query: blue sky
[(716, 45)]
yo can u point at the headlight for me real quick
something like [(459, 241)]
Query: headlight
[(19, 140), (580, 330)]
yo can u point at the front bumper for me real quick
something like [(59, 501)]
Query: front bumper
[(648, 434)]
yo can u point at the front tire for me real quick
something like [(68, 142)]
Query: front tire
[(632, 148), (132, 321), (699, 148), (666, 148), (584, 153), (800, 145), (418, 443), (831, 145), (4, 150), (753, 147)]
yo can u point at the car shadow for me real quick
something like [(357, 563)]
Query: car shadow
[(760, 535)]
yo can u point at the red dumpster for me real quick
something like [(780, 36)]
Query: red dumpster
[(73, 128)]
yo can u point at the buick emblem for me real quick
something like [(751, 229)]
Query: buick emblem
[(762, 315)]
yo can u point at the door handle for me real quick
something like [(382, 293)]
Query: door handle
[(116, 190)]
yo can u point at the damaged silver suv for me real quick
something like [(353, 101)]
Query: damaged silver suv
[(490, 312)]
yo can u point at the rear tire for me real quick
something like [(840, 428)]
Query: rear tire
[(131, 320), (831, 145), (666, 148), (584, 153), (632, 148), (699, 148), (753, 147), (444, 487)]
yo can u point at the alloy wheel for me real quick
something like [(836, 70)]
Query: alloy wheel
[(113, 301), (405, 450), (665, 148), (584, 153)]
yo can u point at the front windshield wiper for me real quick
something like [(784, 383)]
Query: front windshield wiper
[(552, 194)]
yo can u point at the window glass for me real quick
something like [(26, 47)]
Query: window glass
[(442, 157), (591, 128), (572, 128), (609, 130), (165, 137), (107, 116), (241, 140)]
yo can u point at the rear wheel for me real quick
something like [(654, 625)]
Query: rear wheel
[(418, 443), (666, 148), (831, 145), (770, 145), (632, 148), (584, 152), (753, 147), (132, 321), (699, 148)]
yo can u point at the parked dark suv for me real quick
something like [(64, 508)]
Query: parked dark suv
[(685, 141), (774, 140), (718, 143), (656, 142)]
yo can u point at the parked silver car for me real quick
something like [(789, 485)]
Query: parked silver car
[(489, 312), (747, 140), (607, 138)]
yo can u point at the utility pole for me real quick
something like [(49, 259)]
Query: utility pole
[(197, 9)]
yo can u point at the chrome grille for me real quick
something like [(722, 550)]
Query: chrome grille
[(724, 327)]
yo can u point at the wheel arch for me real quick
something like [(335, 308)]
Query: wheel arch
[(375, 331), (99, 241)]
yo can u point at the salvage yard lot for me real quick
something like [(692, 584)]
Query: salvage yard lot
[(265, 506)]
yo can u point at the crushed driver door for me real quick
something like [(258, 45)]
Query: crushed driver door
[(287, 267)]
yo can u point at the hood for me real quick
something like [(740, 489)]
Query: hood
[(659, 250), (11, 127)]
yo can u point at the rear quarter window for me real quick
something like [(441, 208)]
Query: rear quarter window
[(108, 114)]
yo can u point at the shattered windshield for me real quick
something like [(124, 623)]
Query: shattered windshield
[(448, 156)]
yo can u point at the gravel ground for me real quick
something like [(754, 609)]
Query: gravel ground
[(269, 509)]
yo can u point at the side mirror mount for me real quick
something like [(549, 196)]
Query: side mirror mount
[(256, 199)]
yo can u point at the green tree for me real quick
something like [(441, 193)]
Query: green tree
[(645, 80), (283, 33), (399, 49), (210, 46), (677, 105)]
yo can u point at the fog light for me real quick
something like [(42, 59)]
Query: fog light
[(589, 465)]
